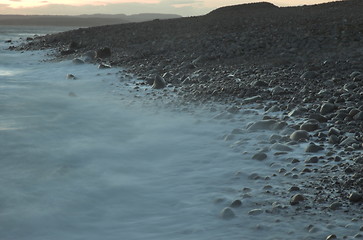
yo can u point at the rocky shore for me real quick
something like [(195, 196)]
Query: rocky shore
[(305, 62)]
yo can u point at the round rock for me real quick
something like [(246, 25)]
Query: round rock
[(227, 213), (296, 199), (260, 156), (299, 135), (327, 108), (355, 197), (313, 148)]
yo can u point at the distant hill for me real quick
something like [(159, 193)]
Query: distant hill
[(81, 20)]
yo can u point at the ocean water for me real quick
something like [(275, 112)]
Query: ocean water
[(82, 159)]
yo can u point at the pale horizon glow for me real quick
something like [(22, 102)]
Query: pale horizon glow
[(76, 7)]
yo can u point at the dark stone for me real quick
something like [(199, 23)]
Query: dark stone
[(260, 156), (355, 197), (312, 147), (236, 203), (159, 82), (227, 213), (327, 108)]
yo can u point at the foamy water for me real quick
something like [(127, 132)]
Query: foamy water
[(76, 162)]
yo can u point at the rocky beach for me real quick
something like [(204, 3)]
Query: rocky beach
[(300, 68)]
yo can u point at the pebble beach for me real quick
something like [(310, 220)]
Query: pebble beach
[(299, 69)]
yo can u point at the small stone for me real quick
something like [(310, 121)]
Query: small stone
[(71, 77), (335, 205), (309, 126), (309, 75), (348, 141), (318, 117), (327, 108), (333, 139), (358, 116), (104, 66), (333, 131), (296, 199), (263, 125), (330, 237), (236, 203), (255, 212), (77, 61), (281, 147), (299, 135), (313, 148), (312, 160), (159, 82), (355, 197), (260, 156), (294, 189), (227, 213)]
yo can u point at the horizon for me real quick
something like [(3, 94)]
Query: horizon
[(88, 7)]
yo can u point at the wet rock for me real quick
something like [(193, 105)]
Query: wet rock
[(358, 116), (260, 156), (253, 99), (309, 126), (71, 77), (159, 82), (263, 125), (236, 203), (297, 112), (299, 135), (331, 237), (259, 83), (318, 117), (255, 212), (312, 160), (294, 189), (327, 108), (104, 66), (278, 90), (355, 197), (313, 148), (227, 213), (77, 61), (281, 147), (335, 206), (296, 199), (103, 53), (333, 131), (333, 139), (89, 56), (309, 75), (273, 109), (348, 141)]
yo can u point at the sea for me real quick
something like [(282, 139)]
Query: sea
[(85, 158)]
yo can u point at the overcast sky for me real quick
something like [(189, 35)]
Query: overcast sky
[(74, 7)]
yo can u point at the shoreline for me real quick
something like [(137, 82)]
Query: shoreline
[(320, 98)]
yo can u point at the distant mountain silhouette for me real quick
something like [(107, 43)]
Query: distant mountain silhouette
[(81, 20)]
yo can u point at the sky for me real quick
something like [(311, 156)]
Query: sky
[(76, 7)]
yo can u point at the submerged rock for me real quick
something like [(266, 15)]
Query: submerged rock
[(227, 213)]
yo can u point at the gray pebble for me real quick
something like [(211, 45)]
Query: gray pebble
[(227, 213), (296, 199), (255, 212)]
